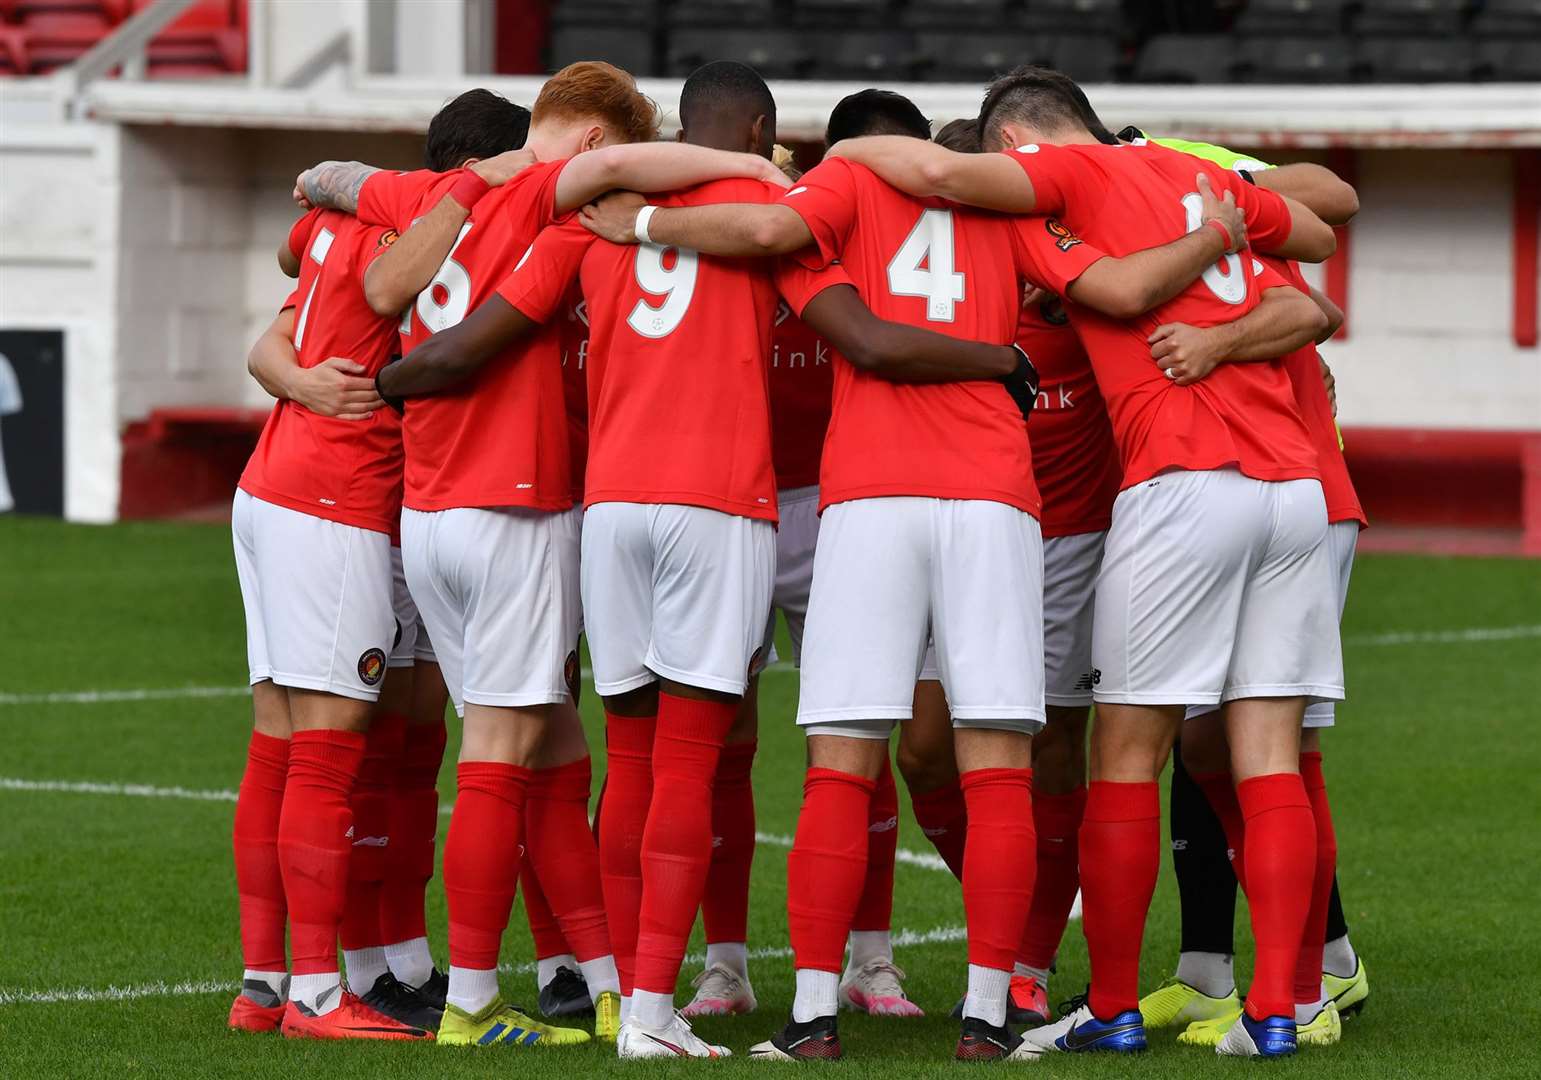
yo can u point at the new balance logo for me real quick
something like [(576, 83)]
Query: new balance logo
[(888, 825)]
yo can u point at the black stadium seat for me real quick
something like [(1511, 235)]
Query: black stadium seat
[(1087, 58), (775, 54), (979, 57), (630, 48), (1418, 60), (1186, 58), (1295, 60), (960, 14), (1411, 18), (870, 56), (1506, 18), (844, 14), (1515, 60), (1292, 17), (605, 13), (730, 13), (1073, 16)]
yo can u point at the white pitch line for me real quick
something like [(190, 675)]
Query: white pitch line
[(89, 787), (85, 995), (1446, 637)]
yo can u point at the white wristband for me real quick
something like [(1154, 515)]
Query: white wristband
[(640, 228)]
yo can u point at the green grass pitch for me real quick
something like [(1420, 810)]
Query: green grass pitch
[(1436, 774)]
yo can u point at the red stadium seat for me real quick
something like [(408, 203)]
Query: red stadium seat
[(15, 59)]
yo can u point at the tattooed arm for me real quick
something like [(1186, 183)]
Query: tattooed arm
[(332, 184)]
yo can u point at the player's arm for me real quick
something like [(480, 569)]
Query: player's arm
[(1285, 228), (1332, 311), (334, 387), (451, 356), (288, 261), (655, 167), (916, 167), (1126, 287), (1284, 321), (1315, 186), (408, 265), (332, 184), (897, 352), (731, 229)]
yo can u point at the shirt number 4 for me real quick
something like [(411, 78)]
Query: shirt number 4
[(923, 266)]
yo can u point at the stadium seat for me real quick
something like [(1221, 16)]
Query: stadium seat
[(730, 13), (606, 12), (866, 56), (14, 57), (196, 53), (1186, 58), (776, 54), (841, 14), (1418, 60), (959, 14), (1087, 58), (1506, 18), (1292, 17), (1295, 60), (1515, 60), (1411, 18), (979, 57), (1073, 16), (631, 48), (66, 17)]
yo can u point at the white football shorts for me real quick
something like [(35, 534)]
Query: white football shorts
[(891, 573), (412, 644), (498, 593), (1070, 568), (1342, 540), (1216, 586), (797, 537), (675, 592), (317, 595)]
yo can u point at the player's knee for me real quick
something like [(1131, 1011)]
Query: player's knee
[(643, 701)]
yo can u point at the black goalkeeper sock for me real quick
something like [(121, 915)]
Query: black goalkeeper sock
[(1206, 884), (1337, 925)]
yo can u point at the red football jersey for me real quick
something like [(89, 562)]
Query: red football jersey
[(574, 333), (500, 438), (1074, 456), (342, 470), (1304, 369), (1128, 197), (957, 271), (679, 406), (802, 382)]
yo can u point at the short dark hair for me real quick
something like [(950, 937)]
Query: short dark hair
[(960, 135), (724, 84), (1042, 97), (875, 112), (477, 124)]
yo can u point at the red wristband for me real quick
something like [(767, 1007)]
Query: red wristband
[(468, 189), (1223, 232)]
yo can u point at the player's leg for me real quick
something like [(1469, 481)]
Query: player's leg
[(1316, 1016), (559, 987), (930, 772), (986, 579), (562, 852), (497, 591), (872, 982), (1286, 650), (712, 582), (866, 635), (259, 882)]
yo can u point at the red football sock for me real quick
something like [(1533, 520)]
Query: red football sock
[(414, 826), (1308, 969), (1057, 823), (258, 879), (677, 840), (313, 842), (1220, 789), (943, 816), (1120, 858), (544, 931), (725, 907), (1281, 870), (997, 878), (827, 867), (875, 909), (622, 815), (481, 858), (561, 847), (371, 832)]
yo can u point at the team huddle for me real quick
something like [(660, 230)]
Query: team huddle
[(1006, 424)]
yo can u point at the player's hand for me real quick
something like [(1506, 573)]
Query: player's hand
[(504, 167), (299, 194), (1185, 353), (613, 217), (772, 173), (336, 387), (1032, 294), (1223, 210), (1331, 384)]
